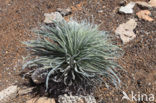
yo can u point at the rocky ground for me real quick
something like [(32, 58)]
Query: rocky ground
[(19, 17)]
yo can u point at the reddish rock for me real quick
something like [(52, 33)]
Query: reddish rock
[(145, 15), (152, 3)]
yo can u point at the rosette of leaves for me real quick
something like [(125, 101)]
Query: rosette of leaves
[(75, 54)]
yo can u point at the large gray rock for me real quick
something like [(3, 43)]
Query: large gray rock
[(128, 9), (76, 99), (125, 31), (8, 94), (50, 17)]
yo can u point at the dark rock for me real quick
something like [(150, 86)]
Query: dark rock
[(39, 75), (64, 12)]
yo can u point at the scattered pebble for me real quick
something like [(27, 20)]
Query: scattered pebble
[(64, 12), (145, 15), (7, 68), (50, 17), (125, 31), (8, 94), (41, 100), (100, 11), (128, 9)]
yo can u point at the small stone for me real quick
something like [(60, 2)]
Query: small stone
[(116, 99), (64, 12), (100, 11), (144, 14), (7, 2), (123, 2), (125, 31), (8, 94), (143, 4), (128, 9), (41, 100), (54, 16)]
